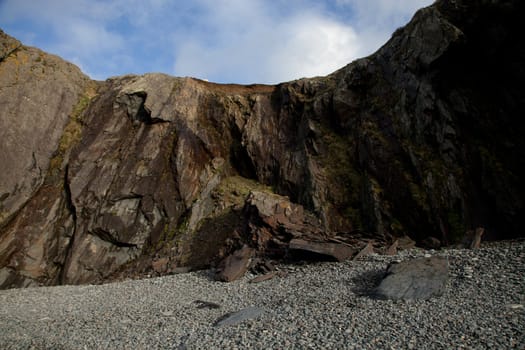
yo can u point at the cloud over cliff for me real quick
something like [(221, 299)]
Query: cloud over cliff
[(223, 41)]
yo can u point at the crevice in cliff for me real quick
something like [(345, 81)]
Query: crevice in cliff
[(69, 199), (239, 157), (108, 237), (125, 197), (73, 211)]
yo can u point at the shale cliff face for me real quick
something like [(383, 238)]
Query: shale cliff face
[(423, 138)]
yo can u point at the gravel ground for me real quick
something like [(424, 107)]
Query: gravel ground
[(321, 305)]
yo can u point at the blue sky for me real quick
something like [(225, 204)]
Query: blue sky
[(226, 41)]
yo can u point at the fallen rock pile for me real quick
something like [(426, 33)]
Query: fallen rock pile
[(278, 230)]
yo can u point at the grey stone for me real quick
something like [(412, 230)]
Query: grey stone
[(202, 304), (239, 316), (421, 278)]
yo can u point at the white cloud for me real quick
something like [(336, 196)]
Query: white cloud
[(222, 40), (246, 42), (75, 30), (85, 38), (376, 20), (311, 46)]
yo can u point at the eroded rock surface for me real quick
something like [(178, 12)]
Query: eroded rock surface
[(105, 179), (40, 99)]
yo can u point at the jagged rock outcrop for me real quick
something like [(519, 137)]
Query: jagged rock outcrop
[(102, 179)]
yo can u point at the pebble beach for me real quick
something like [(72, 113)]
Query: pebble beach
[(320, 305)]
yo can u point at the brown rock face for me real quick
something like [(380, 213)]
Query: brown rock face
[(39, 101), (423, 138)]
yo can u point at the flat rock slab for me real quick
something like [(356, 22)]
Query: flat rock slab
[(239, 316), (336, 251), (262, 278), (414, 279)]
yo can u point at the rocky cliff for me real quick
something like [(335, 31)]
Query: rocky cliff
[(104, 179)]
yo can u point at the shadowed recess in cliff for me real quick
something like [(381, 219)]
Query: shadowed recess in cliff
[(108, 237)]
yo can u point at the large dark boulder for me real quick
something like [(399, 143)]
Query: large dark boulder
[(422, 278)]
